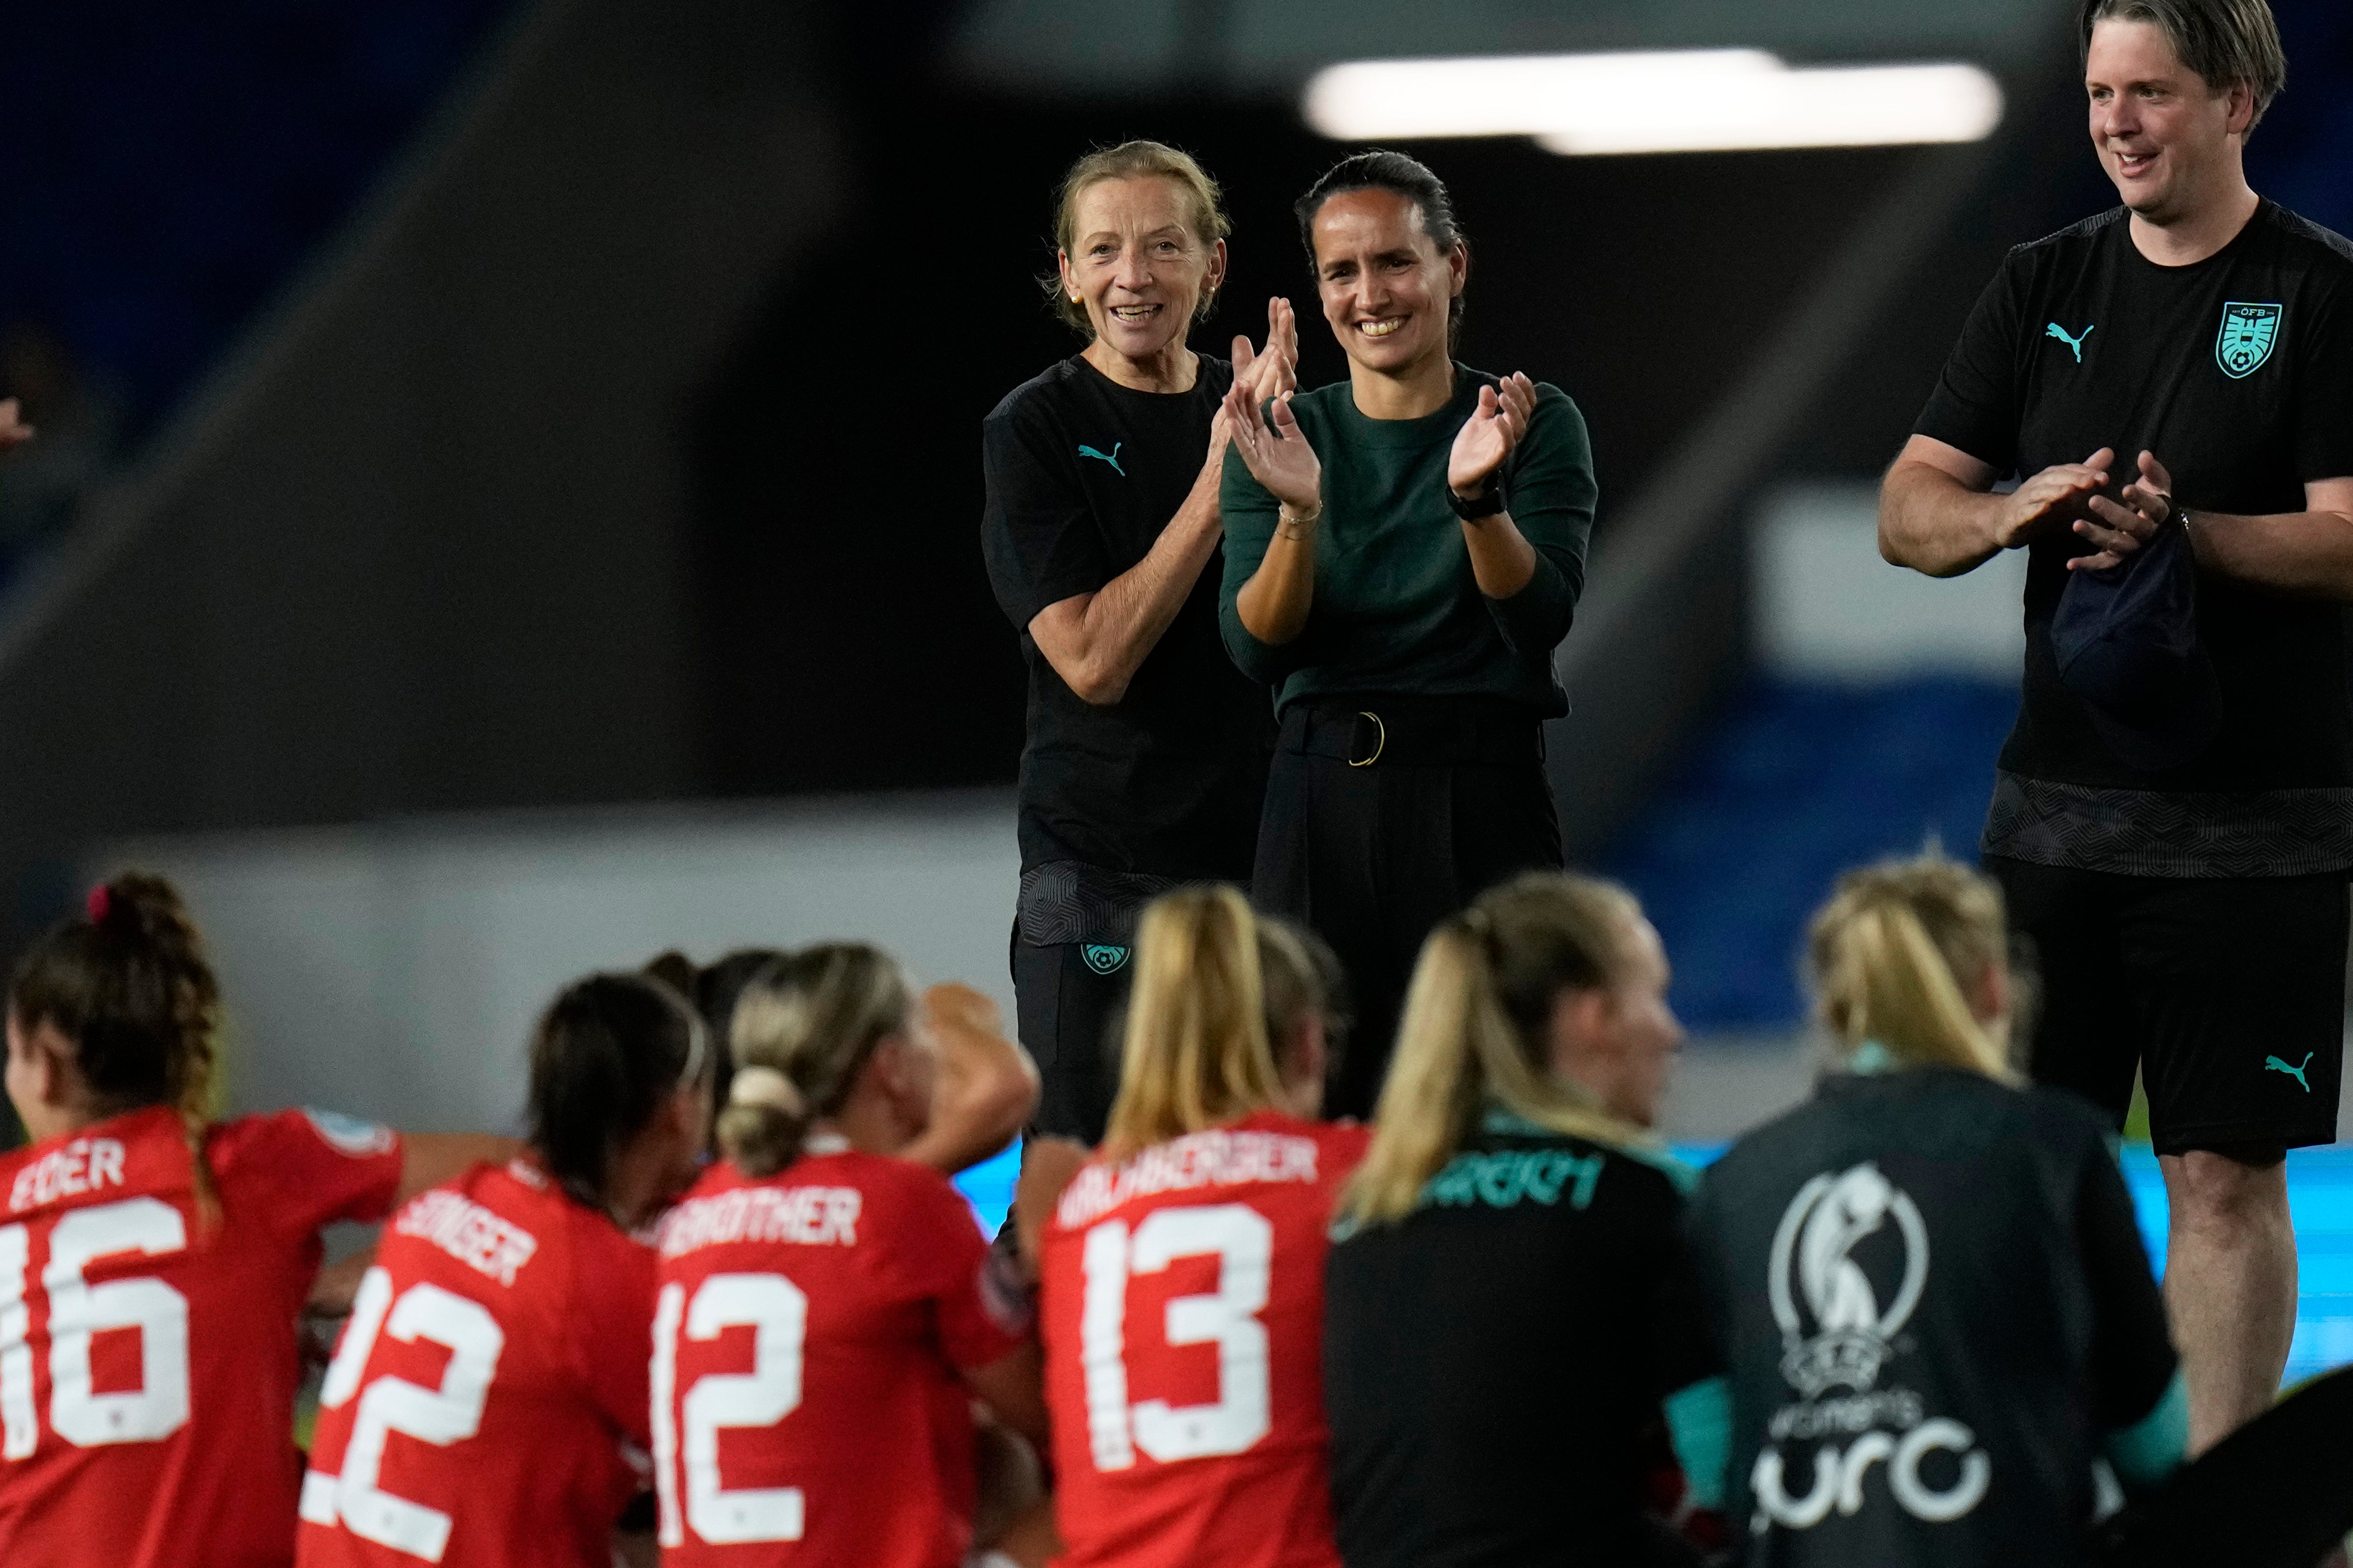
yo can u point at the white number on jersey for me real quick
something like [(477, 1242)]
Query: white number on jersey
[(1243, 1242), (77, 1309), (449, 1413), (777, 1314)]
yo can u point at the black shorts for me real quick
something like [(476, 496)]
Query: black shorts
[(2227, 993)]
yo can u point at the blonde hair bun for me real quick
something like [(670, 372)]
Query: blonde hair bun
[(765, 1086)]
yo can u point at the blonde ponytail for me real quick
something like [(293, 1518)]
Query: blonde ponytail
[(803, 1030), (1200, 1049), (1887, 953), (1475, 1032)]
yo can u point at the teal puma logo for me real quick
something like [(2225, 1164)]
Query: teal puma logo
[(2272, 1064), (2074, 343), (1110, 456)]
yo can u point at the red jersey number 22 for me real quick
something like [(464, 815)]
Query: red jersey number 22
[(441, 1416)]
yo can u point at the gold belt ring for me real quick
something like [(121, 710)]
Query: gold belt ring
[(1380, 742)]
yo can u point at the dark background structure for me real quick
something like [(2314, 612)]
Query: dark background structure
[(576, 404)]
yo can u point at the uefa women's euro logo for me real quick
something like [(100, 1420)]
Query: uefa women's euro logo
[(1834, 1324), (1849, 1266)]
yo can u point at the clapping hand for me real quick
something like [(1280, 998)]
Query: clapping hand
[(1276, 453), (2058, 491), (1275, 371), (14, 431), (2122, 526), (1488, 436)]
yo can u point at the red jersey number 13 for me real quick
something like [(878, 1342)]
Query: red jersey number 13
[(1242, 1241)]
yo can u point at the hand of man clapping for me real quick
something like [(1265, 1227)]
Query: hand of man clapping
[(2121, 526), (2059, 491)]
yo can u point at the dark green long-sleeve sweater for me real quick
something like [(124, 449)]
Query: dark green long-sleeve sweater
[(1396, 610)]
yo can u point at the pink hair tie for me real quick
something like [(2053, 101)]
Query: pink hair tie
[(98, 903)]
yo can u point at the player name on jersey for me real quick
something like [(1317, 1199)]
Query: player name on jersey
[(83, 1165), (468, 1233), (1221, 1157), (810, 1216)]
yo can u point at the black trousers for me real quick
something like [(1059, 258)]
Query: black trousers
[(1068, 995), (1384, 816)]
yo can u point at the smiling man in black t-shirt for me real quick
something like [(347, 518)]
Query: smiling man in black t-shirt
[(2181, 363)]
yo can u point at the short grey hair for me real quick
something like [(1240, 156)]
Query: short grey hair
[(2224, 41)]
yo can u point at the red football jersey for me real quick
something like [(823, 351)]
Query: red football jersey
[(148, 1357), (1182, 1304), (491, 1387), (808, 1340)]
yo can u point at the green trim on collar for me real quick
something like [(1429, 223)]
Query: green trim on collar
[(1872, 1059), (1511, 1124)]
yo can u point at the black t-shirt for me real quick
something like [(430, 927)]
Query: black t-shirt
[(2237, 373), (1083, 475), (1933, 1304), (1490, 1364)]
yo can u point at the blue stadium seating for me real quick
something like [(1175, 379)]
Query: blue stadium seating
[(1797, 782)]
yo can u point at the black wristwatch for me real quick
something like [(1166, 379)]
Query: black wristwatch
[(1486, 503)]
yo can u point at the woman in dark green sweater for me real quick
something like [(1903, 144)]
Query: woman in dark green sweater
[(1404, 550)]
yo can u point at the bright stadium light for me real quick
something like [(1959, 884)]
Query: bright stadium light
[(1691, 100)]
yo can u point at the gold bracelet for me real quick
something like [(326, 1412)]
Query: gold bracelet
[(1284, 523)]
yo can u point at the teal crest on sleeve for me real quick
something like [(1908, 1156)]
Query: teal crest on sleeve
[(1103, 957), (2248, 335)]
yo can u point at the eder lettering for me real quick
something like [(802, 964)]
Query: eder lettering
[(83, 1165)]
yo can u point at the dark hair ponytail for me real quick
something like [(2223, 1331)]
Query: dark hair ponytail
[(1381, 170), (127, 983), (608, 1052)]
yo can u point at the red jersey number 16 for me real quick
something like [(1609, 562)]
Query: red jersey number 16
[(77, 1311)]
